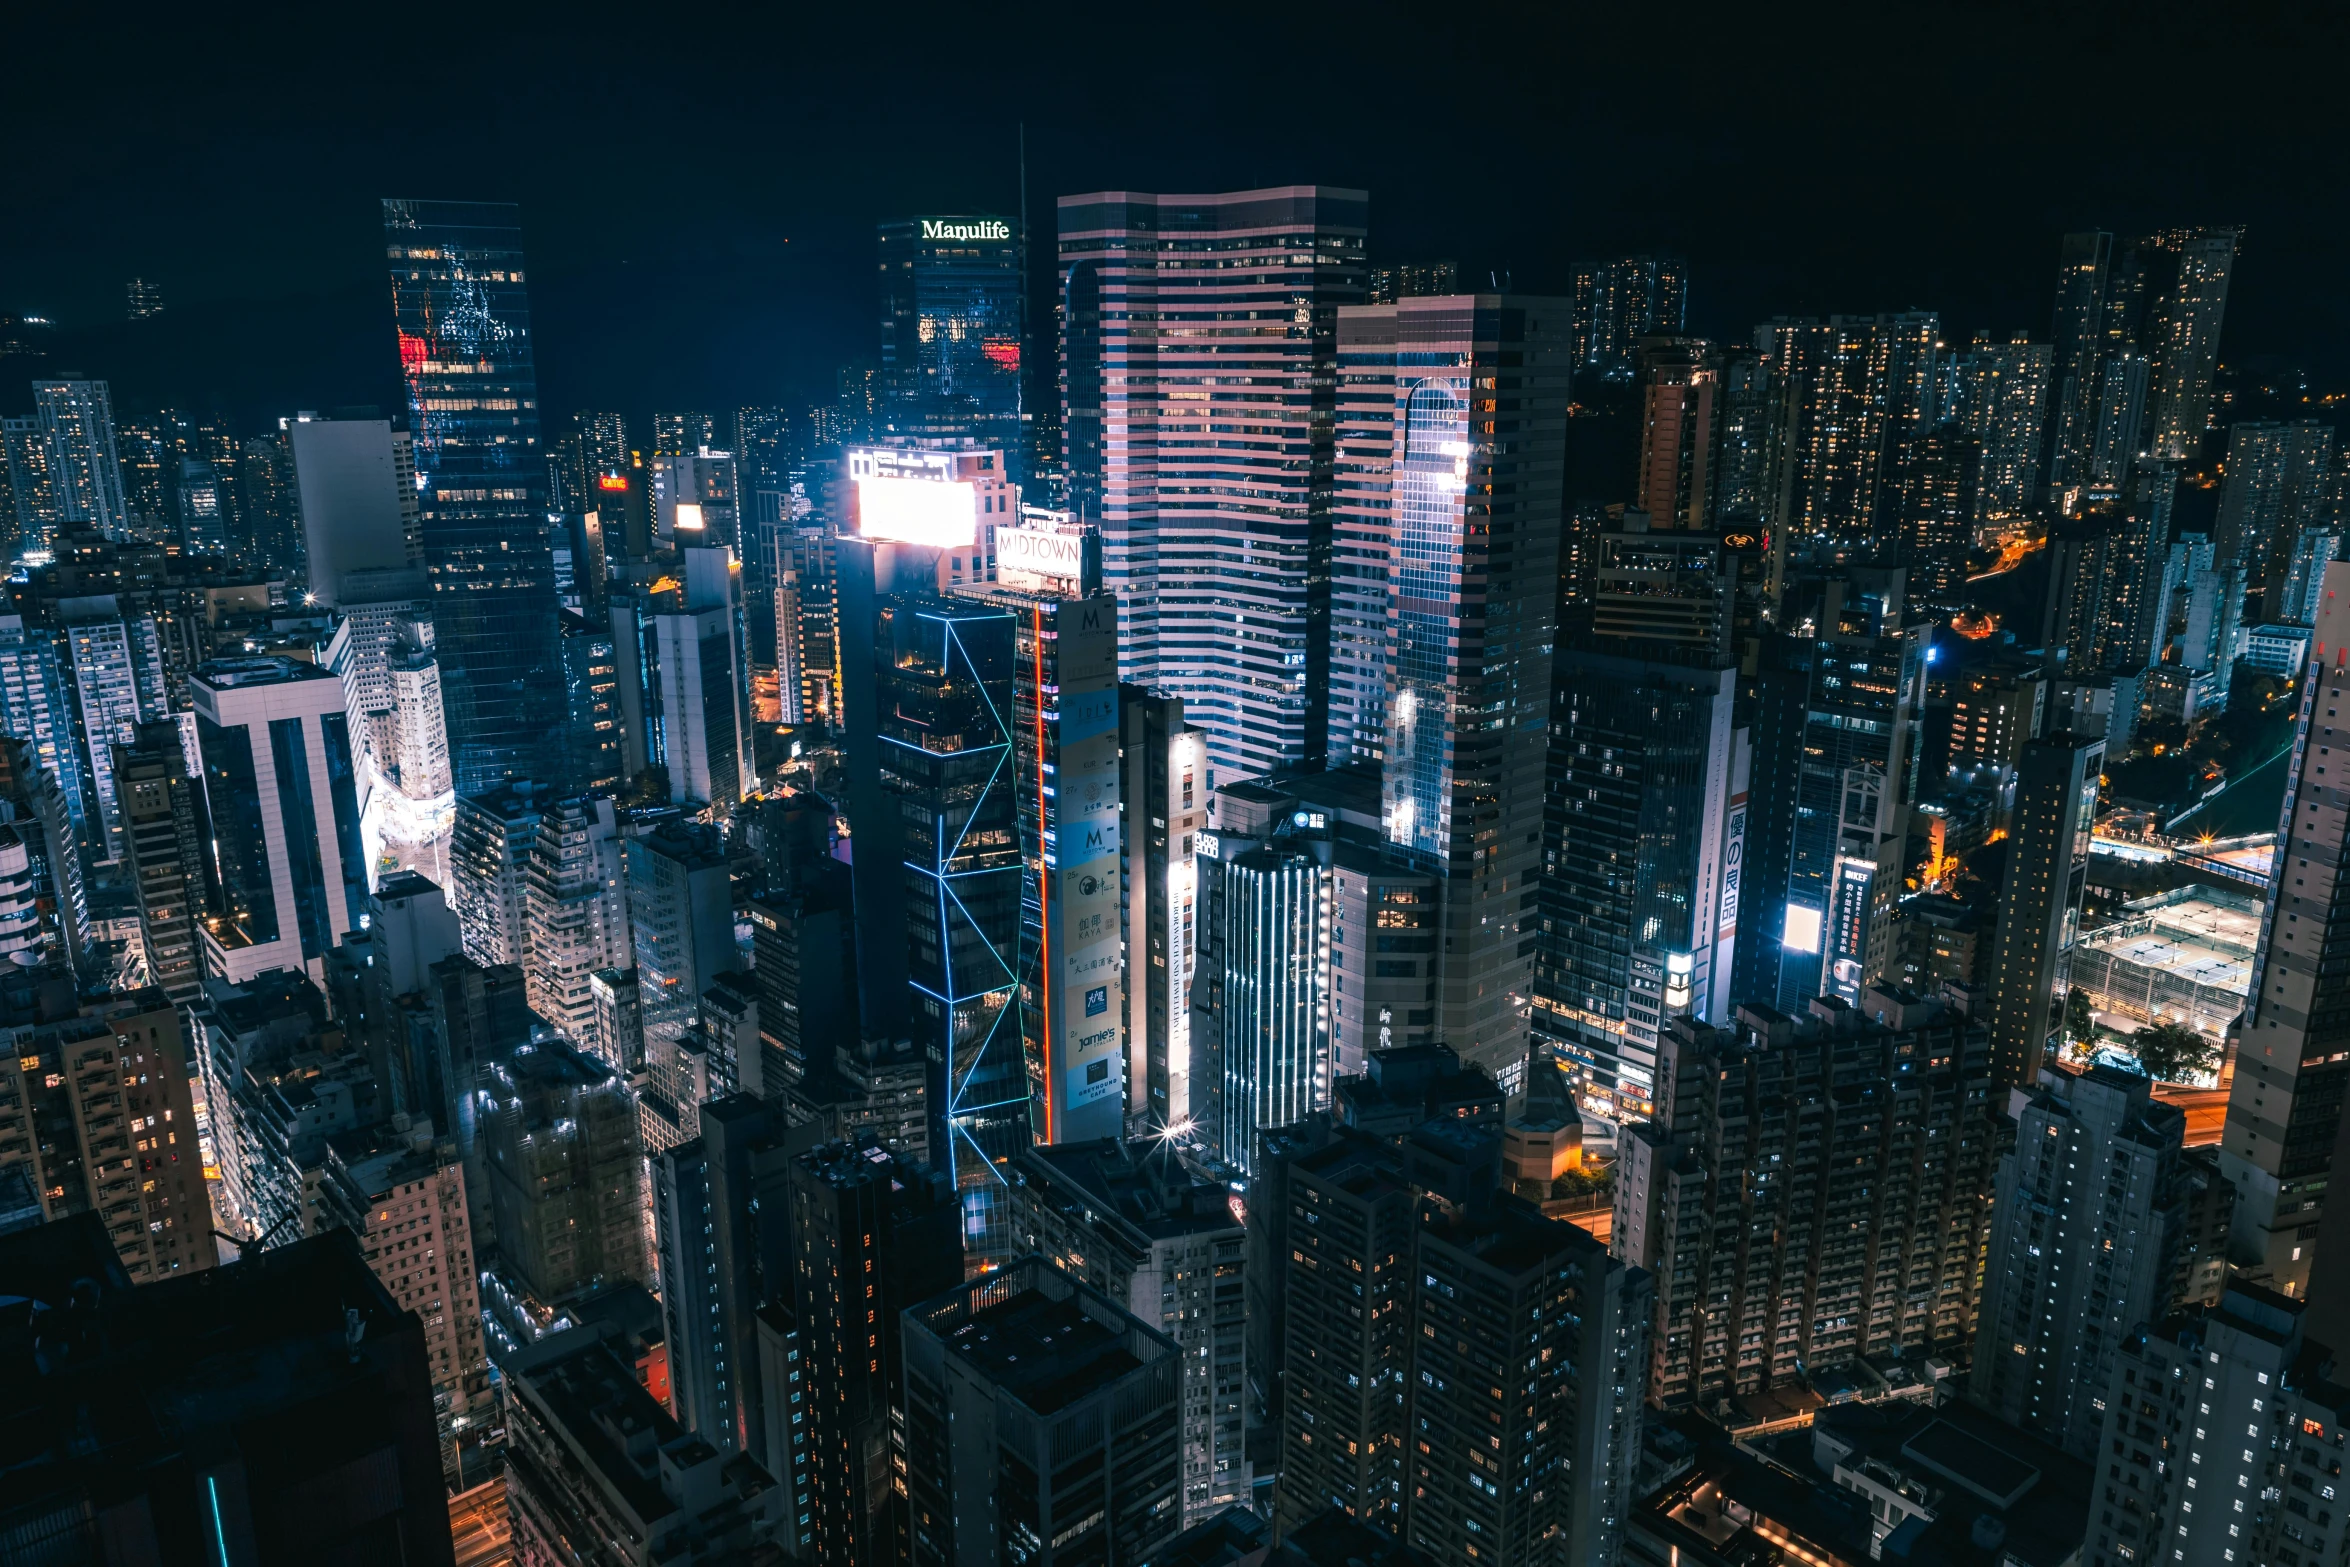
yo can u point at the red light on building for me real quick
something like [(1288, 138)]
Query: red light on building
[(611, 481), (1004, 351), (413, 351)]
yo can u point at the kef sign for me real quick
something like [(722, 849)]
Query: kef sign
[(1034, 555)]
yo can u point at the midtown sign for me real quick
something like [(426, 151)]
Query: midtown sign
[(1034, 556), (954, 228)]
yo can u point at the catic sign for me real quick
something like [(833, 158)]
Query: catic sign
[(1036, 553), (957, 228)]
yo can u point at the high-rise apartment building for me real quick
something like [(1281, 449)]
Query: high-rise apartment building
[(1165, 797), (698, 684), (953, 325), (36, 708), (95, 1107), (1761, 1196), (1129, 1220), (575, 905), (1218, 554), (566, 1181), (1863, 401), (2091, 1232), (113, 663), (282, 791), (871, 1235), (2188, 272), (2001, 399), (84, 471), (2279, 484), (1680, 386), (2160, 301), (33, 517), (1617, 303), (2040, 907), (681, 924), (2292, 1056), (489, 870), (163, 841), (1643, 852), (2218, 1440), (1082, 1403), (460, 297)]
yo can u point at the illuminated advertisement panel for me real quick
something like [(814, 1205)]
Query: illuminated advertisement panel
[(913, 498)]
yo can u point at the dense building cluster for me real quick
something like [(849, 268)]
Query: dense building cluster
[(1274, 912)]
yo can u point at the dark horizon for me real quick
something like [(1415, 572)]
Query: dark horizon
[(700, 221)]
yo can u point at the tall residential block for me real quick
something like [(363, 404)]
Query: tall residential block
[(462, 309), (84, 471), (575, 905), (1218, 552), (1619, 302), (566, 1176), (2040, 907), (489, 870), (1809, 1191), (1041, 1420)]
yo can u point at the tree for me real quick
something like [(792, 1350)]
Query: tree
[(2079, 1023), (2168, 1052)]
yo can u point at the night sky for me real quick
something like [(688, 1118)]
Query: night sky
[(699, 189)]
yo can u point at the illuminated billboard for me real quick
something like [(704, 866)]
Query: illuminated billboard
[(913, 498), (1803, 929), (1034, 557)]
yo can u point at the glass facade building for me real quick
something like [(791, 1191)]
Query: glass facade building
[(952, 326), (463, 317)]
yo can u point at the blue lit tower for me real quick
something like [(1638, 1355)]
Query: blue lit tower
[(481, 480), (928, 696)]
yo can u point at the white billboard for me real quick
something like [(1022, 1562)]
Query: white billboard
[(912, 497), (1036, 557)]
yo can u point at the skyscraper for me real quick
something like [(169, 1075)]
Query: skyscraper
[(1260, 1026), (489, 866), (358, 498), (565, 1171), (458, 295), (681, 920), (953, 324), (2279, 484), (575, 904), (1223, 594), (2188, 302), (283, 797), (2002, 401), (2089, 1234), (164, 848), (2040, 907), (1476, 519), (1616, 303), (928, 691), (2292, 1054), (1165, 795), (1863, 402), (699, 685), (85, 473)]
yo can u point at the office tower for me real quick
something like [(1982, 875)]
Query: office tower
[(1065, 748), (1082, 1401), (620, 1019), (355, 480), (1165, 797), (402, 1196), (85, 472), (722, 1205), (565, 1171), (164, 835), (1944, 505), (953, 321), (114, 663), (1499, 1288), (870, 1236), (97, 1108), (1362, 534), (696, 500), (1616, 303), (1640, 896), (768, 444), (1661, 586), (464, 339), (681, 922), (598, 1471), (268, 490), (1260, 1021), (1223, 601), (1829, 816), (1472, 575), (2250, 1414), (285, 1410), (35, 708), (279, 783), (411, 809), (2040, 908), (927, 694), (489, 868), (575, 906), (1130, 1221), (2090, 1238), (207, 509), (2002, 392), (802, 944), (1786, 1247), (700, 686), (1679, 390), (1861, 403), (2285, 1103)]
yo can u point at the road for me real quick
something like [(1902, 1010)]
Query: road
[(2207, 1111), (477, 1523)]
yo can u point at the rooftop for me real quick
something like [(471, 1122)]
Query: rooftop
[(2205, 935), (229, 674), (1047, 1353)]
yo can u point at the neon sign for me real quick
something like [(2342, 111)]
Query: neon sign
[(946, 228)]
